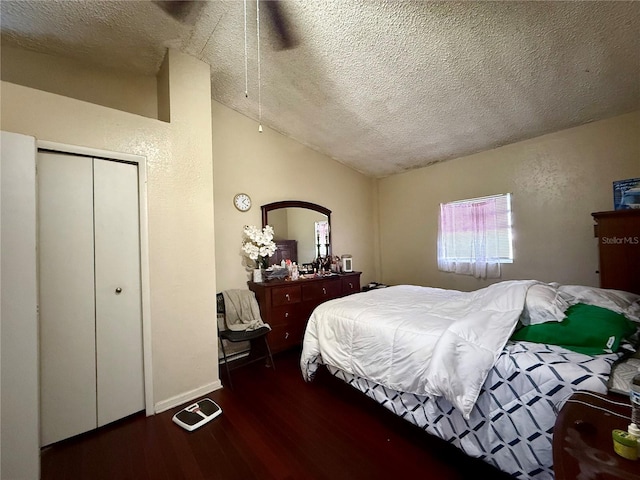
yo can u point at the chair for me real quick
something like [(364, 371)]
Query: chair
[(240, 336)]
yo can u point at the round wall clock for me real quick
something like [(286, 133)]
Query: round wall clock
[(242, 202)]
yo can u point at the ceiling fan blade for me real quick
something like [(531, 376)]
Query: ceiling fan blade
[(282, 28), (185, 11)]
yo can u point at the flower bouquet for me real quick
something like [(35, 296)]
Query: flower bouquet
[(258, 245)]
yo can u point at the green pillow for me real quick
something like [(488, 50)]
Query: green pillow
[(586, 329)]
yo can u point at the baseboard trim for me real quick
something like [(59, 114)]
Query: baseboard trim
[(187, 396)]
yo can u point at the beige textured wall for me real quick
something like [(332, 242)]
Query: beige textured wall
[(115, 89), (557, 181), (180, 209), (271, 167)]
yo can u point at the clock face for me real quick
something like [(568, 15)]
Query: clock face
[(242, 201)]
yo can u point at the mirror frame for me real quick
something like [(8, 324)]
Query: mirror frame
[(297, 204)]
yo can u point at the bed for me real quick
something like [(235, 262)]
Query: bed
[(475, 368)]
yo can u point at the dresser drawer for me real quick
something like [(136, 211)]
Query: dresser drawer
[(320, 292), (351, 285), (284, 315), (285, 295), (283, 337)]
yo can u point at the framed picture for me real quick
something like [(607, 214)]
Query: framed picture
[(626, 194)]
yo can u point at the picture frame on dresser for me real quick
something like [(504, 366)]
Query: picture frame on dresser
[(626, 194)]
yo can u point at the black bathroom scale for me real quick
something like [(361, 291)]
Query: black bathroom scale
[(197, 414)]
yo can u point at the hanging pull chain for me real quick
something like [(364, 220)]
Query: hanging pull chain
[(246, 68), (259, 73)]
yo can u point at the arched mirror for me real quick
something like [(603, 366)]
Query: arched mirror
[(302, 230)]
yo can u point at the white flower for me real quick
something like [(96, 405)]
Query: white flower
[(258, 244)]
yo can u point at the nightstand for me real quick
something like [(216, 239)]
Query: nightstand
[(582, 443)]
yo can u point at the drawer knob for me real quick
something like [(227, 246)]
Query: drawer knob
[(324, 291), (351, 285), (286, 314), (286, 335), (287, 297)]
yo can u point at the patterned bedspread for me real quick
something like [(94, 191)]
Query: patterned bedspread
[(511, 425)]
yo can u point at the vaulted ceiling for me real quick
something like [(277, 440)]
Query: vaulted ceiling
[(381, 86)]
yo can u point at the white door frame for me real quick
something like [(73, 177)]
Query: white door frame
[(144, 247)]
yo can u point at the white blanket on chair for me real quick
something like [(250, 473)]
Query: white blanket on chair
[(242, 312)]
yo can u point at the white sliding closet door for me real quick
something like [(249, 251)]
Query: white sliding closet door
[(118, 307), (67, 306), (90, 300)]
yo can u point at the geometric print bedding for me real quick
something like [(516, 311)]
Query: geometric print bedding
[(511, 425)]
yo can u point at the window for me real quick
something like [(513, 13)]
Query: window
[(475, 236)]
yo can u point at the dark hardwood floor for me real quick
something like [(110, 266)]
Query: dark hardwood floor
[(273, 426)]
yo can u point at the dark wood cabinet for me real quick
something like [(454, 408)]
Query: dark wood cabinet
[(287, 305), (286, 250), (618, 234)]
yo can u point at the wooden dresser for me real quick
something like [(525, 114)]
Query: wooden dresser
[(582, 441), (618, 235), (287, 305)]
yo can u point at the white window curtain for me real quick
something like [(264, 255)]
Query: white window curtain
[(475, 236)]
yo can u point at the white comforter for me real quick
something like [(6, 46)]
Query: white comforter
[(421, 340)]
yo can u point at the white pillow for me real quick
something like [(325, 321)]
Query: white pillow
[(543, 304), (626, 303)]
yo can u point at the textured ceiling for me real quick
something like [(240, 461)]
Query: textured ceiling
[(381, 86)]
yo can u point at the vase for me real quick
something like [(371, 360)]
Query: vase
[(257, 275), (262, 263)]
